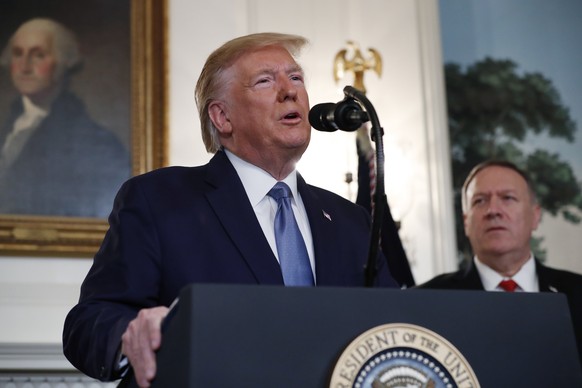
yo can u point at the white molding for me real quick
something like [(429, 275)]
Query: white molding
[(39, 365), (437, 135), (33, 357)]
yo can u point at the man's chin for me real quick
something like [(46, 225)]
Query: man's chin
[(497, 248), (298, 145), (38, 98), (29, 91)]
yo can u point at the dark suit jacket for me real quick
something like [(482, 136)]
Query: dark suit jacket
[(70, 166), (550, 280), (179, 225)]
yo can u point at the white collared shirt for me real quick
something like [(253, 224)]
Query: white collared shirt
[(24, 127), (526, 277), (257, 183)]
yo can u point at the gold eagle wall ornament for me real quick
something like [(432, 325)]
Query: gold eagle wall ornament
[(357, 64)]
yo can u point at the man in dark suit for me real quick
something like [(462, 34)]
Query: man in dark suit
[(54, 159), (500, 212), (215, 223)]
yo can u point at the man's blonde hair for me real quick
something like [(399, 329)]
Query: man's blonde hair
[(210, 85)]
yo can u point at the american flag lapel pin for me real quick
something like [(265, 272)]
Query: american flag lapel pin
[(326, 215)]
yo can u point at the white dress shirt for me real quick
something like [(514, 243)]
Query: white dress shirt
[(257, 183), (526, 278)]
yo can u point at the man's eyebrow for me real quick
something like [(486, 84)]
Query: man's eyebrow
[(494, 192), (509, 191), (33, 48), (269, 70), (264, 70), (295, 68), (480, 194)]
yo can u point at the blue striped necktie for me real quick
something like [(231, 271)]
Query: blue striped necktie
[(291, 248)]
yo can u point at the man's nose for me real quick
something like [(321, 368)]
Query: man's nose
[(287, 90), (493, 207)]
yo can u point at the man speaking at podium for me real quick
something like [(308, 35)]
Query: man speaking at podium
[(246, 217)]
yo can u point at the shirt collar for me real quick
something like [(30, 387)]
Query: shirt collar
[(31, 109), (526, 277), (256, 181)]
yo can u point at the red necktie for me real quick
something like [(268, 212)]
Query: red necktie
[(508, 285)]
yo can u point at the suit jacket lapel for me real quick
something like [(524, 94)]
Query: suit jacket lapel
[(322, 231), (469, 278), (6, 127), (232, 207), (545, 278)]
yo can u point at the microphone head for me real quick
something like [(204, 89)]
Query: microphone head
[(349, 115), (319, 117)]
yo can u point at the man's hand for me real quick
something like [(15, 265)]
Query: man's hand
[(139, 342)]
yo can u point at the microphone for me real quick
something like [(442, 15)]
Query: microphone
[(346, 115)]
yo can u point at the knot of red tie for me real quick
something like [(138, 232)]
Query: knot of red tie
[(508, 285)]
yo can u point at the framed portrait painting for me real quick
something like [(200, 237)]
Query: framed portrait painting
[(82, 109)]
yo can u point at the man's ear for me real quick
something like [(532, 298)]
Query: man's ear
[(219, 116)]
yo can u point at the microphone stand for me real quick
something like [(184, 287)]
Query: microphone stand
[(376, 132)]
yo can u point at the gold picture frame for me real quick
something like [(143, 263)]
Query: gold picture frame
[(78, 236)]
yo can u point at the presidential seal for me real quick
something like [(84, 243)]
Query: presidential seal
[(400, 355)]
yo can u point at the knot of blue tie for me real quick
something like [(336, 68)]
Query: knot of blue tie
[(293, 256), (281, 191)]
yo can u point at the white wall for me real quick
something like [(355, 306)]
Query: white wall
[(36, 293)]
